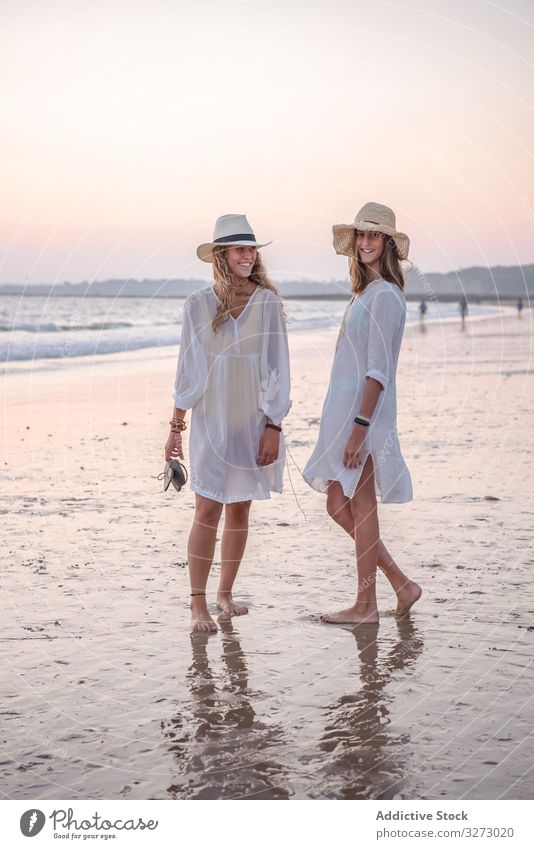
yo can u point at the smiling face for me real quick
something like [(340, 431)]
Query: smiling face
[(370, 247), (241, 260)]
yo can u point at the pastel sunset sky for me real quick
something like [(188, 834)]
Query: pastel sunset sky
[(128, 126)]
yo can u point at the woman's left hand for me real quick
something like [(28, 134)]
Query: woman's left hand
[(353, 455), (269, 447)]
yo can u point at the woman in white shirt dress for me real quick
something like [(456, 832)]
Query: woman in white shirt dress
[(233, 371), (358, 450)]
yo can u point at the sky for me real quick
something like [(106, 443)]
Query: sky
[(128, 126)]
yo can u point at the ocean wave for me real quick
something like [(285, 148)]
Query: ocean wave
[(102, 338), (86, 345), (50, 327)]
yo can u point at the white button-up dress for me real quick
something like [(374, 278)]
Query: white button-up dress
[(368, 346), (233, 380)]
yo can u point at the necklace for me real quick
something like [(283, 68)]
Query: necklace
[(240, 291)]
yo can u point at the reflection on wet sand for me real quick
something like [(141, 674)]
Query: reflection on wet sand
[(222, 749), (366, 759)]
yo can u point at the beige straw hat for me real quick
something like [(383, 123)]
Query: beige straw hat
[(372, 216), (229, 230)]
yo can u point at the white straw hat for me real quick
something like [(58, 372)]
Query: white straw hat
[(372, 216), (229, 230)]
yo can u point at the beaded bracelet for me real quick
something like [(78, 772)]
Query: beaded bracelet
[(177, 424), (274, 427)]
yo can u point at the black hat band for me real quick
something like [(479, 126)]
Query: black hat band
[(241, 237)]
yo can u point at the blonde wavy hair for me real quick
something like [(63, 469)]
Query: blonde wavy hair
[(224, 280), (390, 267)]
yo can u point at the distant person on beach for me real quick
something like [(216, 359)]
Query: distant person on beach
[(519, 306), (462, 306), (233, 371), (422, 310), (358, 448)]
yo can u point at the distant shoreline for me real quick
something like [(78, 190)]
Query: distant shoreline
[(474, 299), (479, 284)]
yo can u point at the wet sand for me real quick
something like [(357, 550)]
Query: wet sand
[(105, 693)]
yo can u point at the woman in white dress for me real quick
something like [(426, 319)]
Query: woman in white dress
[(358, 449), (233, 371)]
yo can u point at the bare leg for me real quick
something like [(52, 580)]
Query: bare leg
[(365, 522), (233, 544), (406, 590), (200, 550)]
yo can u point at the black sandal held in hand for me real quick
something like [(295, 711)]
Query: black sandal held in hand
[(175, 473)]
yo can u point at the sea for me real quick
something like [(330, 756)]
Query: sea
[(60, 327)]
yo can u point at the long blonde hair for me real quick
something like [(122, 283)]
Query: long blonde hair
[(224, 280), (390, 267)]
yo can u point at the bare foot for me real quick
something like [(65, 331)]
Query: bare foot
[(200, 616), (358, 614), (226, 603), (406, 597)]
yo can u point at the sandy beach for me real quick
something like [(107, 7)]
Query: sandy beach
[(106, 694)]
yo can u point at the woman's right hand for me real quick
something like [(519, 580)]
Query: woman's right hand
[(173, 447), (354, 449)]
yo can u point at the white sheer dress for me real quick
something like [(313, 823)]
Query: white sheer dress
[(368, 346), (233, 380)]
